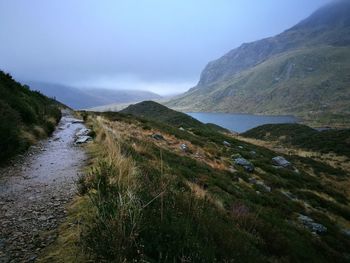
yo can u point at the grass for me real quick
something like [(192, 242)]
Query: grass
[(25, 116), (297, 135), (154, 203)]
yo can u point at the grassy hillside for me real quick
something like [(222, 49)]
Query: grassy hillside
[(149, 200), (25, 116), (157, 112), (327, 141), (303, 71)]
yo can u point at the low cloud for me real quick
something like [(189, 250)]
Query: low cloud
[(132, 82)]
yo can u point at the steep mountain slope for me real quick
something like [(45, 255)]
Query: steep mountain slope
[(90, 97), (25, 115), (304, 70)]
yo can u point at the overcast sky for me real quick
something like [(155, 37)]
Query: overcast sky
[(158, 45)]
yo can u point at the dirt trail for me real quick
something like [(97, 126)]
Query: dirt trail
[(35, 190)]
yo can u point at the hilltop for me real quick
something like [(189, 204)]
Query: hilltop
[(302, 71), (157, 112)]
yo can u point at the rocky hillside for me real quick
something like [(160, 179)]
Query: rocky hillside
[(303, 71), (25, 116)]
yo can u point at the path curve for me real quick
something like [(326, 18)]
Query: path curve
[(35, 190)]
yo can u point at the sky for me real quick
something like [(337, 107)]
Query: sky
[(156, 45)]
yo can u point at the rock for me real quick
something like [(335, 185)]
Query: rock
[(253, 153), (311, 225), (83, 139), (248, 166), (77, 121), (346, 232), (184, 147), (226, 143), (289, 195), (264, 186), (240, 147), (236, 155), (83, 132), (281, 162), (181, 129), (158, 137)]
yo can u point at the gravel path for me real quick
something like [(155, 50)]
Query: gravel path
[(35, 190)]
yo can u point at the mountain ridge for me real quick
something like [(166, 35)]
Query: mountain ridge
[(90, 97), (298, 59)]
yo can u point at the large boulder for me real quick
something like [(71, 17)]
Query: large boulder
[(281, 162), (248, 166)]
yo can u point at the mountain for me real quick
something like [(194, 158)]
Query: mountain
[(90, 97), (25, 116), (303, 71)]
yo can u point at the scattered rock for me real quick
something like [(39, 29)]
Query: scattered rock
[(181, 129), (264, 186), (77, 121), (346, 232), (281, 162), (240, 147), (83, 139), (311, 225), (184, 147), (158, 137), (236, 155), (226, 143), (83, 132), (289, 195), (253, 153), (248, 166), (261, 184)]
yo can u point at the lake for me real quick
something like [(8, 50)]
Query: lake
[(240, 122)]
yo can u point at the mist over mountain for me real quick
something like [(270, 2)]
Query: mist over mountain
[(302, 71), (90, 97)]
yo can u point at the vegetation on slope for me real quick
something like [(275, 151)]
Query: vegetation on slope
[(157, 112), (326, 141), (151, 201), (24, 117)]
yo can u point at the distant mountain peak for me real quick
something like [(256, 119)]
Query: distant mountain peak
[(336, 13)]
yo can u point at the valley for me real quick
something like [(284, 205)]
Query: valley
[(252, 164)]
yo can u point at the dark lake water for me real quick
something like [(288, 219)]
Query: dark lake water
[(240, 122)]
